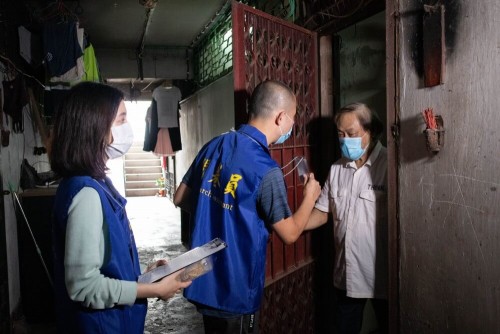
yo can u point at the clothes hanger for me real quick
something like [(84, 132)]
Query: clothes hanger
[(58, 11), (167, 84)]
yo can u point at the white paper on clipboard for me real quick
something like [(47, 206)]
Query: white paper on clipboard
[(182, 261)]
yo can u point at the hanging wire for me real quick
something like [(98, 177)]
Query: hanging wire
[(325, 13), (149, 84), (59, 9), (18, 70), (360, 4), (33, 237)]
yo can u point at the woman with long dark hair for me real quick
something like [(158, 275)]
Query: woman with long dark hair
[(96, 265)]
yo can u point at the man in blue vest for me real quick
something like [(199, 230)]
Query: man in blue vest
[(235, 191)]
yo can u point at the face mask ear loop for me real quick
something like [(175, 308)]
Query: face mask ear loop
[(295, 167)]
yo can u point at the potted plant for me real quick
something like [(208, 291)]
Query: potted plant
[(160, 183)]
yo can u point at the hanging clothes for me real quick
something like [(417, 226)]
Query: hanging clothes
[(175, 138), (151, 132), (61, 47), (75, 73), (90, 64), (15, 98), (167, 99), (4, 131), (163, 146)]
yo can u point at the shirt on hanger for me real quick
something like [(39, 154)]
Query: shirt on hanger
[(167, 99)]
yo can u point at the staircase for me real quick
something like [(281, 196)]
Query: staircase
[(141, 170)]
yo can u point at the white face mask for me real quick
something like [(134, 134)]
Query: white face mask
[(123, 137)]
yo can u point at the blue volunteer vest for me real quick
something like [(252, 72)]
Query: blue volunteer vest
[(123, 263), (225, 179)]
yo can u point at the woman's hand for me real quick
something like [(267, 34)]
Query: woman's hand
[(170, 285), (165, 288), (156, 264)]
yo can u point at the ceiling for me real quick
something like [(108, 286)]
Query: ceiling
[(124, 31), (129, 24), (134, 26), (122, 23)]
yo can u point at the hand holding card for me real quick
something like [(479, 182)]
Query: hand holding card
[(302, 168)]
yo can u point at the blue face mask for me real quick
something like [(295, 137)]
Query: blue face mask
[(351, 147), (285, 136)]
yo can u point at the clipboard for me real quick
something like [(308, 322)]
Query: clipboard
[(188, 258)]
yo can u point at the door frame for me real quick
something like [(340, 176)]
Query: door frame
[(392, 131)]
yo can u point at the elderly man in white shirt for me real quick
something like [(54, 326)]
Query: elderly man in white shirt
[(355, 193)]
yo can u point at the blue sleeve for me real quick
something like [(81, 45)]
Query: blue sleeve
[(272, 203)]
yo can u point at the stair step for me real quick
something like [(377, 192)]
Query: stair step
[(142, 169), (138, 149), (142, 176), (140, 184), (141, 156), (142, 162), (141, 192)]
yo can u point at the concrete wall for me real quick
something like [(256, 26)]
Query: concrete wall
[(204, 115), (21, 146), (449, 203)]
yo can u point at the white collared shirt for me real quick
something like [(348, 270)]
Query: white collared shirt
[(357, 199)]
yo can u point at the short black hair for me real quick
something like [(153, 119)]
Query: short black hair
[(81, 130), (268, 96)]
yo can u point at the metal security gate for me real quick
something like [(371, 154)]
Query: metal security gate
[(265, 47)]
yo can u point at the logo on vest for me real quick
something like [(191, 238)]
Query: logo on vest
[(232, 184), (230, 188), (217, 200), (206, 163), (216, 177)]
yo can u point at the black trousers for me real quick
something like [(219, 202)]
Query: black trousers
[(349, 313), (245, 324)]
